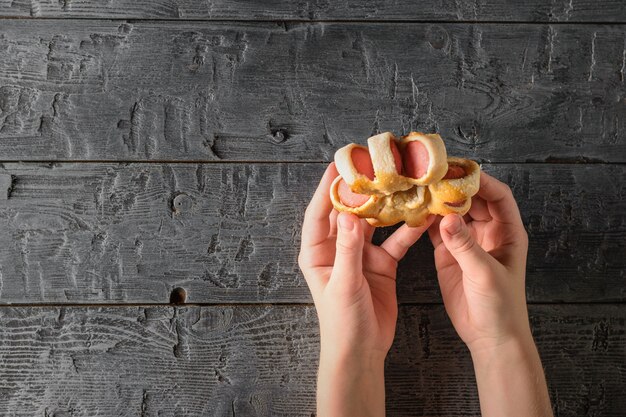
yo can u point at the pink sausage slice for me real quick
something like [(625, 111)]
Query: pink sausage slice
[(363, 162), (454, 172), (456, 203), (416, 160), (396, 155), (350, 198)]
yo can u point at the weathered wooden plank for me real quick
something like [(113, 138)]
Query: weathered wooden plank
[(429, 373), (465, 10), (261, 91), (92, 233), (262, 361)]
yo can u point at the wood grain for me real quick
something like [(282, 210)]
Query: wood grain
[(463, 10), (100, 233), (261, 361), (102, 90)]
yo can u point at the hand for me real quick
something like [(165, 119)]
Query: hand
[(481, 265), (353, 285)]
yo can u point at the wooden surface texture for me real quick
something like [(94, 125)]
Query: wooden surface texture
[(261, 361), (149, 146), (443, 10), (101, 233), (101, 90)]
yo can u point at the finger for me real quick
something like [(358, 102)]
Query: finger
[(316, 223), (433, 232), (332, 219), (500, 200), (457, 238), (479, 211), (443, 258), (348, 268), (402, 239), (368, 230)]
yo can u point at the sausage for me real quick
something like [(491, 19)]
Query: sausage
[(456, 203), (396, 155), (363, 162), (416, 160), (349, 198), (454, 172)]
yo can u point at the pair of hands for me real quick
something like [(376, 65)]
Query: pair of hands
[(480, 261)]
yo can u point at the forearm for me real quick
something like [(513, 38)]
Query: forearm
[(511, 381), (348, 385)]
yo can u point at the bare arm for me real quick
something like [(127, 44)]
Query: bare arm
[(353, 284), (481, 266), (511, 381)]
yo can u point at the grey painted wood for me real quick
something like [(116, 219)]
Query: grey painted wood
[(464, 10), (261, 361), (94, 233), (101, 90), (581, 347)]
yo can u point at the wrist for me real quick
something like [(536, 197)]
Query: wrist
[(351, 384), (513, 355), (352, 358), (520, 339), (519, 345), (510, 379), (353, 368)]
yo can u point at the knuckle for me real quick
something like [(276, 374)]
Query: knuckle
[(391, 264), (307, 211), (465, 243), (304, 260), (524, 233), (507, 193), (523, 236), (440, 250), (345, 247)]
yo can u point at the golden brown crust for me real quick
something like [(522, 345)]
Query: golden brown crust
[(447, 193), (394, 197), (409, 206)]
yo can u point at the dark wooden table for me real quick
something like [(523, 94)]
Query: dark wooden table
[(149, 147)]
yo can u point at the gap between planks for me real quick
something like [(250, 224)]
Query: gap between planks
[(554, 161), (263, 304), (338, 21)]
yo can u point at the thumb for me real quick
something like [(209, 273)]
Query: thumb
[(457, 238), (349, 252)]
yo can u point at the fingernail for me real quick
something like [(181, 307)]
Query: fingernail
[(345, 222), (454, 226)]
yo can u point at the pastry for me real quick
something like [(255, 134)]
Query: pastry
[(453, 193), (392, 181)]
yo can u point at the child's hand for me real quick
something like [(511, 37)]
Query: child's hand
[(354, 289), (482, 267)]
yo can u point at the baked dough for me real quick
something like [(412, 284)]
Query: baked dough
[(387, 177), (455, 195), (408, 206), (370, 208), (407, 184)]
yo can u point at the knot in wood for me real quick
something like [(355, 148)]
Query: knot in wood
[(437, 37), (182, 203), (178, 296), (279, 136)]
